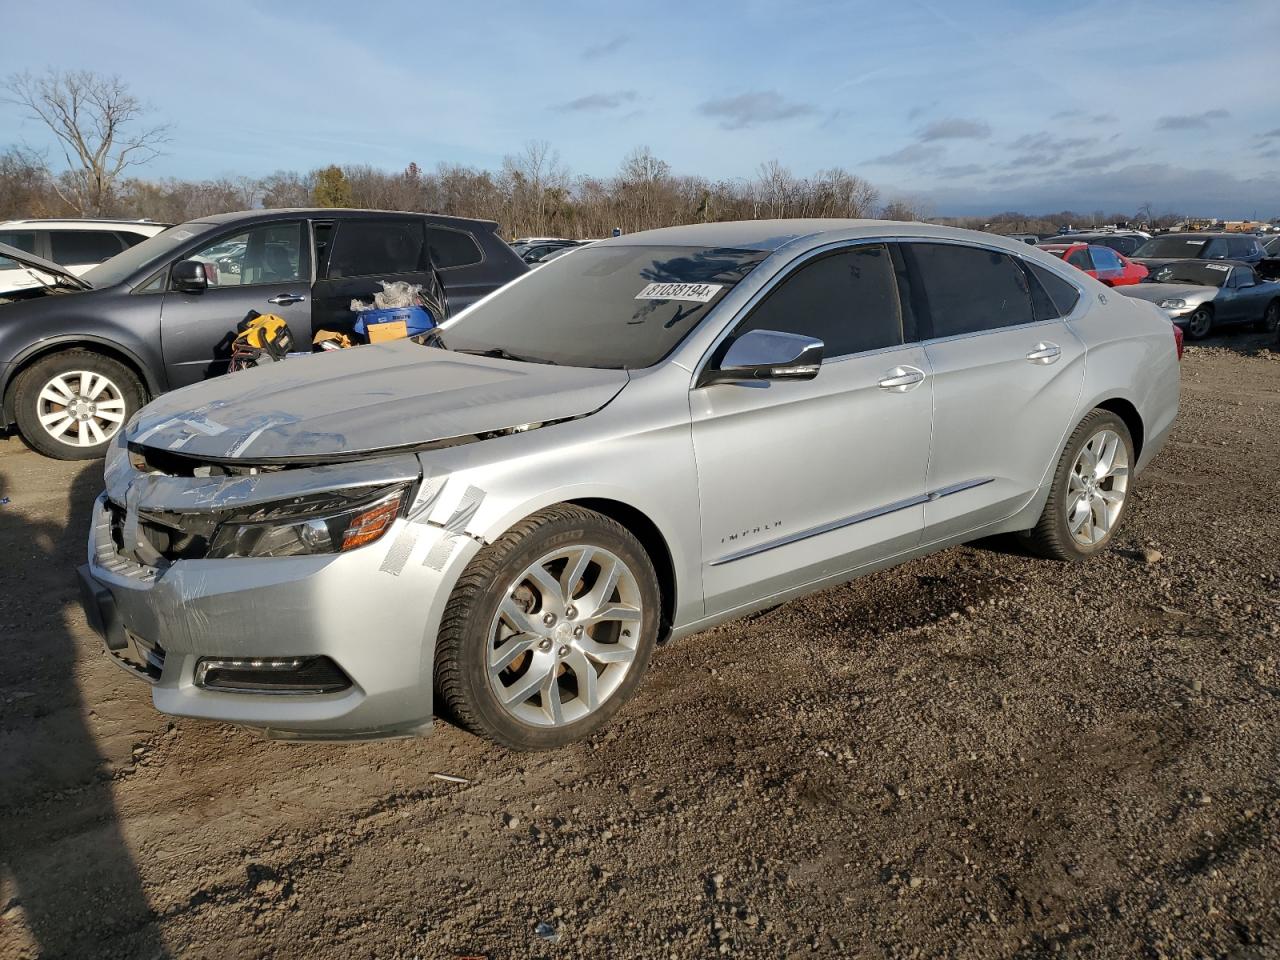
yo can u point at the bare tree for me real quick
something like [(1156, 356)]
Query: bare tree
[(96, 122)]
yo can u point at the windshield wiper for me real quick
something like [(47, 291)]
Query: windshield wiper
[(431, 338), (502, 354)]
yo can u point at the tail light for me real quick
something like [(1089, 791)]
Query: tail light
[(1177, 338)]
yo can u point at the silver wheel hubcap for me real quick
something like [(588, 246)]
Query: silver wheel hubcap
[(1096, 487), (81, 408), (565, 636)]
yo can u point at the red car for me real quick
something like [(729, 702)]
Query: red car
[(1101, 263)]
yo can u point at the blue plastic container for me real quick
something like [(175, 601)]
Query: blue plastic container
[(417, 319)]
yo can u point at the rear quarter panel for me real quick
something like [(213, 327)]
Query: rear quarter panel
[(1132, 356)]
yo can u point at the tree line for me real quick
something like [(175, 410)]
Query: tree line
[(99, 130)]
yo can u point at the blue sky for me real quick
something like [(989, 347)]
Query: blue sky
[(964, 106)]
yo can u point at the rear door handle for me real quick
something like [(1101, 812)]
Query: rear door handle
[(284, 299), (902, 379), (1044, 352)]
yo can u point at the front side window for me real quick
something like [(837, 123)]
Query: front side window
[(377, 248), (271, 253), (452, 248), (82, 246), (847, 299), (969, 289), (1243, 277), (621, 307), (1105, 258)]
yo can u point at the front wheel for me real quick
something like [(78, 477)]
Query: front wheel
[(1090, 490), (1271, 319), (1200, 323), (70, 405), (548, 631)]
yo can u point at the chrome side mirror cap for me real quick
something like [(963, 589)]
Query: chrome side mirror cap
[(766, 355)]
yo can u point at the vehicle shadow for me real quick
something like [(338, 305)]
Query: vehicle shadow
[(67, 872), (1242, 340)]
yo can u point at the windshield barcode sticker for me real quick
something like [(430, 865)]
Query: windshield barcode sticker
[(1216, 266), (697, 292)]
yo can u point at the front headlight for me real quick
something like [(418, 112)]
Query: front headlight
[(1174, 304), (327, 523)]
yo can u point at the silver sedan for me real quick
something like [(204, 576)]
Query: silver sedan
[(497, 522)]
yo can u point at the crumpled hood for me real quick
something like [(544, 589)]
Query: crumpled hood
[(1155, 292), (370, 398), (44, 267)]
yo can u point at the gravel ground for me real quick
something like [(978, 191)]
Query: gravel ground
[(975, 754)]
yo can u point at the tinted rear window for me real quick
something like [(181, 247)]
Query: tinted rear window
[(452, 248), (969, 289), (1062, 296)]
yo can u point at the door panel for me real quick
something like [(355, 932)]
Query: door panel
[(1000, 419), (814, 463), (361, 254), (247, 270)]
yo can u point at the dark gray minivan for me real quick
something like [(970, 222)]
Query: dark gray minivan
[(77, 359)]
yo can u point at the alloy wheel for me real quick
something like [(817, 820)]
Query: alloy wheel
[(1200, 324), (81, 408), (565, 635), (1096, 487)]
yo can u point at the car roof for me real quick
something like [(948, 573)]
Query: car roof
[(773, 235), (337, 213)]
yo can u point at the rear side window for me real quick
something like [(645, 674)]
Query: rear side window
[(129, 238), (847, 299), (82, 246), (24, 240), (452, 248), (1079, 258), (1053, 297), (366, 248), (969, 289)]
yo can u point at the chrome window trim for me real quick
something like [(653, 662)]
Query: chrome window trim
[(840, 524)]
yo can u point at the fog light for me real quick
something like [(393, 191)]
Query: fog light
[(271, 675)]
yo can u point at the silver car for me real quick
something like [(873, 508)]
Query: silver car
[(498, 522)]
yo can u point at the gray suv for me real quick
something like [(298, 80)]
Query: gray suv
[(79, 356)]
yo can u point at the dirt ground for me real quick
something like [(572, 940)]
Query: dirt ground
[(976, 754)]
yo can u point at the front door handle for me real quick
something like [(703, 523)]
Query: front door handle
[(902, 379), (284, 299), (1044, 352)]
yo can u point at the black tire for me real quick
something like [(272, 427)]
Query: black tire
[(1200, 323), (464, 692), (1270, 322), (1051, 537), (122, 384)]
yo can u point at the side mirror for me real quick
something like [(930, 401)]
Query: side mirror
[(188, 276), (766, 355)]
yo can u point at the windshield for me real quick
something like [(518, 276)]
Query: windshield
[(123, 265), (610, 306), (1172, 248), (1193, 271)]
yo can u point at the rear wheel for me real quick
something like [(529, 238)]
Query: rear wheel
[(548, 631), (1200, 323), (70, 405), (1090, 490)]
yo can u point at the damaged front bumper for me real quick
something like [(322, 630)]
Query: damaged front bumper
[(368, 616)]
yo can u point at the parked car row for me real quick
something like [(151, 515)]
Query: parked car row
[(498, 521), (80, 355)]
